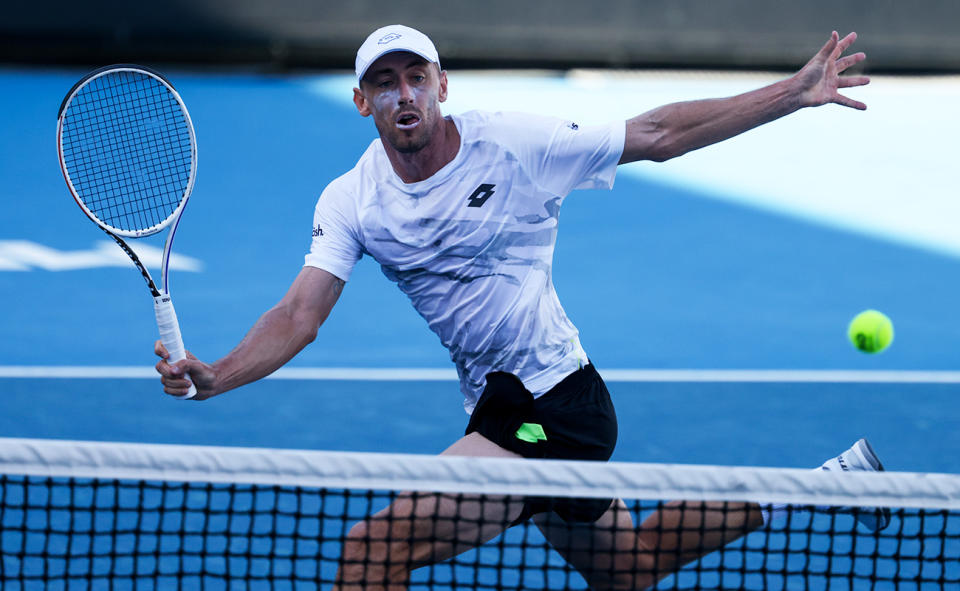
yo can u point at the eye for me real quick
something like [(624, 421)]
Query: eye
[(384, 83), (419, 78)]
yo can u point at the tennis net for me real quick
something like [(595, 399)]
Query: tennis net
[(86, 515)]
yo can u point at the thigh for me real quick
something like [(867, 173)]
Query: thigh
[(477, 445), (421, 528), (441, 526)]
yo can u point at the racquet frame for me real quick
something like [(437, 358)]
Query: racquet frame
[(166, 316)]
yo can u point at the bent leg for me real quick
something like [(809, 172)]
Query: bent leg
[(604, 552), (611, 553), (683, 531), (423, 528)]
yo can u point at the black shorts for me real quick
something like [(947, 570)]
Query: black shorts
[(574, 420)]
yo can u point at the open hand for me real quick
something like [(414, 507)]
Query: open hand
[(820, 79)]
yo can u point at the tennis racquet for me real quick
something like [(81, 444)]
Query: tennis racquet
[(129, 156)]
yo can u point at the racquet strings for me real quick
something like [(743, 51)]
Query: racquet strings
[(128, 149)]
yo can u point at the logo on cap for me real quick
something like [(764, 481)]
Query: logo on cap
[(388, 38)]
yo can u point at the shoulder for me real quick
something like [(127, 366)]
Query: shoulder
[(504, 122), (351, 183), (509, 128), (340, 188)]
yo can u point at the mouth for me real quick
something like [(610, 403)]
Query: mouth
[(407, 121)]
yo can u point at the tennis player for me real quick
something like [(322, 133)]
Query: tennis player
[(461, 212)]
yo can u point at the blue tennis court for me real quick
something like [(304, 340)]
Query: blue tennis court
[(669, 271), (656, 275)]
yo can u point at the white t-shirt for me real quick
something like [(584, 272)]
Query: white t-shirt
[(472, 246)]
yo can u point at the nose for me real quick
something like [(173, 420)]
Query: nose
[(405, 94)]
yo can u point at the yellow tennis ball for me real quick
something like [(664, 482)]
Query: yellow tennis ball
[(870, 331)]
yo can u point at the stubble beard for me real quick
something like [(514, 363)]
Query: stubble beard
[(405, 143)]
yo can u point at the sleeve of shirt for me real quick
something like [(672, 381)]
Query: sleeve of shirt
[(561, 155), (335, 247)]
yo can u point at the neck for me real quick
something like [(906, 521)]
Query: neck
[(420, 165)]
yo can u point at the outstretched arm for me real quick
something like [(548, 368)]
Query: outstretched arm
[(673, 130), (275, 339)]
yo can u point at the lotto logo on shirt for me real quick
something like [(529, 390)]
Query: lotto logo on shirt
[(480, 195), (317, 231)]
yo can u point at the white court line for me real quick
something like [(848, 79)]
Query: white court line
[(366, 374)]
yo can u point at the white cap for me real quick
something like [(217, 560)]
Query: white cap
[(394, 38)]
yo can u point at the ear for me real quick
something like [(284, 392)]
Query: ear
[(443, 85), (361, 102)]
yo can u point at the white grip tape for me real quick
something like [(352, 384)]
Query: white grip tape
[(170, 334)]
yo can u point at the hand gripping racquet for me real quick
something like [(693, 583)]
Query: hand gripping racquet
[(129, 156)]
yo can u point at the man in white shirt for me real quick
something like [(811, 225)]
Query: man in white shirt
[(461, 212)]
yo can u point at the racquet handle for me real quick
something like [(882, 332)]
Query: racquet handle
[(170, 334)]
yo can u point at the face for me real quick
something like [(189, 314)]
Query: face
[(403, 92)]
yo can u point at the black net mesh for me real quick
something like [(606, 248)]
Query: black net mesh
[(82, 533)]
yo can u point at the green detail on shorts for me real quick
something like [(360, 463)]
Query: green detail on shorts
[(531, 433)]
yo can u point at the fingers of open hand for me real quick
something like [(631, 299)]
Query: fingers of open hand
[(844, 43), (850, 81), (849, 60), (843, 63), (829, 47), (849, 102)]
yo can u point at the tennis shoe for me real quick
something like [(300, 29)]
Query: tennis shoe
[(861, 458)]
